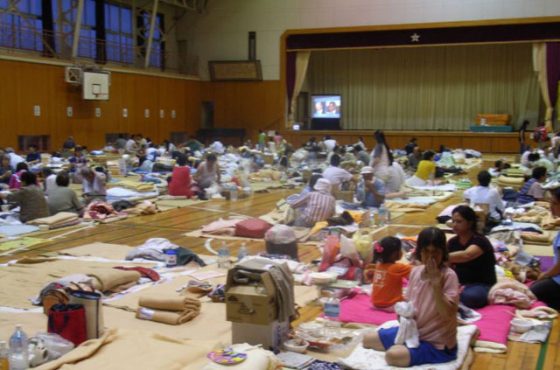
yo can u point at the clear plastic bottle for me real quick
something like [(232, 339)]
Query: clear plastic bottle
[(19, 357), (243, 252), (233, 195), (382, 215), (331, 310), (223, 256), (4, 356)]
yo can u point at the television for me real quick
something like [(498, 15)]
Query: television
[(325, 106)]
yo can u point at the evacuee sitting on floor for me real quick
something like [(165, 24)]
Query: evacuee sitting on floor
[(532, 190), (30, 198), (370, 191), (433, 291), (180, 182), (386, 274), (472, 257), (315, 206), (547, 287)]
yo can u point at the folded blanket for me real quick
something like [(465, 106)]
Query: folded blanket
[(536, 238), (176, 303), (166, 317), (58, 219), (107, 279), (133, 185)]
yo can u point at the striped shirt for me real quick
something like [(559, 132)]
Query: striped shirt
[(316, 206), (530, 192)]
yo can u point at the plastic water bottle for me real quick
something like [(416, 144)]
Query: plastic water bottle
[(243, 252), (372, 212), (233, 194), (331, 310), (223, 256), (4, 356), (19, 358), (382, 215)]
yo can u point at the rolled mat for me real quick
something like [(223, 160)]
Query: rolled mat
[(169, 303), (166, 317)]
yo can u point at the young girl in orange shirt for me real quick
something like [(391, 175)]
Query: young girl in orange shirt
[(387, 274)]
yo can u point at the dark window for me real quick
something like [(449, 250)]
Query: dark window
[(43, 142), (21, 28)]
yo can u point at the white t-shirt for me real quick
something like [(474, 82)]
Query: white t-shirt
[(336, 176), (15, 159), (395, 178), (217, 147), (486, 195), (330, 144), (50, 183)]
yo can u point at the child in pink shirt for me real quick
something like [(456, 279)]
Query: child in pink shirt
[(433, 290)]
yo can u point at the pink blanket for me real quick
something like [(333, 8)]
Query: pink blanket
[(495, 323), (358, 309)]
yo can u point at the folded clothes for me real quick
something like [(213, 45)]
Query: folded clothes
[(175, 303)]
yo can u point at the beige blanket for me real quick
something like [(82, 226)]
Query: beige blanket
[(134, 349), (23, 281), (60, 218)]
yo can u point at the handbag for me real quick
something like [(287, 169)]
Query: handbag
[(68, 321), (93, 309)]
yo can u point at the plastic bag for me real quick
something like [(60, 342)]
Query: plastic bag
[(348, 249), (364, 245), (56, 345), (330, 251)]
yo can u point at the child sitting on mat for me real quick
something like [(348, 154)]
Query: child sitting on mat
[(387, 274), (433, 290)]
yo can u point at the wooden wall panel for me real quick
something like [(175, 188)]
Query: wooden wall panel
[(484, 142), (248, 105), (27, 84)]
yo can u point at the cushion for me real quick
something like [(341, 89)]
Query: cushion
[(252, 228)]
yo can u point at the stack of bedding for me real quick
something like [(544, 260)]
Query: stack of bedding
[(57, 221)]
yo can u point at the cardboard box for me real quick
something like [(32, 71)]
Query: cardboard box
[(251, 303), (271, 336)]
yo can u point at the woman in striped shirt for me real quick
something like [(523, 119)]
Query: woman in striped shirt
[(314, 206)]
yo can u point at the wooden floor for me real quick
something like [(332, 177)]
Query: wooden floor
[(174, 224)]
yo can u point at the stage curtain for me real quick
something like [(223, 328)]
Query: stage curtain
[(428, 88), (301, 63), (546, 61)]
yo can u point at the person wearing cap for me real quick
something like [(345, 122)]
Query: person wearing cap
[(314, 206), (370, 191)]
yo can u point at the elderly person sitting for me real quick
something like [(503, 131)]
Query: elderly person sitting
[(30, 198), (93, 185), (314, 206), (370, 191)]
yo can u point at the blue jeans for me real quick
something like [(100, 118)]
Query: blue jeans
[(475, 295)]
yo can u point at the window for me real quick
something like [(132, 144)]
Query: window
[(64, 19), (118, 28), (43, 142), (21, 28), (157, 55)]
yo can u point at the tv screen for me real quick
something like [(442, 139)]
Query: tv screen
[(325, 106)]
